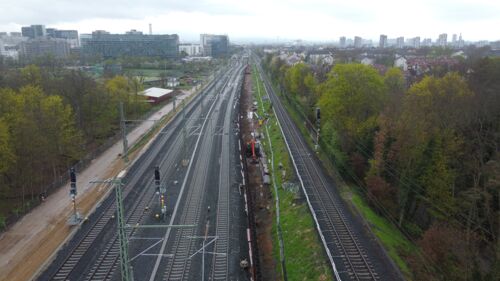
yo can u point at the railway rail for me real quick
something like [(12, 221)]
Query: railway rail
[(339, 240), (179, 267), (77, 250), (93, 253), (220, 262)]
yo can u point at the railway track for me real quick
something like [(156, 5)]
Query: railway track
[(179, 267), (101, 219), (82, 247), (220, 263), (105, 266), (339, 240)]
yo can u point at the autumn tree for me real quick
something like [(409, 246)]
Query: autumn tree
[(351, 99)]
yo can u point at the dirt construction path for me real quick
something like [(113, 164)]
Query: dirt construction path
[(261, 195), (29, 244)]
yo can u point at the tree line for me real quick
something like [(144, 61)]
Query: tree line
[(49, 119), (427, 154)]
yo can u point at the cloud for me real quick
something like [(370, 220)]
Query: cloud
[(311, 19)]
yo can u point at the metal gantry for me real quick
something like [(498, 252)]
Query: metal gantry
[(123, 126), (125, 267), (122, 235)]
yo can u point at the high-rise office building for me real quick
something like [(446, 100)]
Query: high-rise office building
[(426, 42), (84, 38), (134, 32), (416, 42), (358, 42), (132, 44), (382, 43), (33, 31), (400, 42), (461, 42), (342, 42), (71, 36), (59, 48), (214, 45), (442, 40)]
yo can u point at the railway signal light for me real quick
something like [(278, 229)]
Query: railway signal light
[(75, 218), (157, 179), (318, 114), (72, 176)]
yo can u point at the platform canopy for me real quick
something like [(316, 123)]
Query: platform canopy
[(156, 95), (155, 92)]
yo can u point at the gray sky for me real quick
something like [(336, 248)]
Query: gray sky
[(323, 20)]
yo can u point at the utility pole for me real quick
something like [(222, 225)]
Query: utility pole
[(122, 235), (185, 160), (318, 127), (125, 261), (75, 217), (117, 183), (203, 254), (123, 126)]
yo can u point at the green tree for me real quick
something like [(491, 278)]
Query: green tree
[(428, 143), (64, 141), (32, 75), (351, 99), (395, 81), (7, 156)]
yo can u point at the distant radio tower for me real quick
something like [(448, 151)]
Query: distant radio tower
[(150, 29)]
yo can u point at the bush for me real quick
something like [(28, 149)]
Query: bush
[(3, 222), (412, 229)]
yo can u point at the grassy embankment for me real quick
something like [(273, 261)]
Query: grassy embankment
[(305, 257), (395, 243)]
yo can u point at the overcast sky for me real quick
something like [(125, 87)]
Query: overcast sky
[(318, 20)]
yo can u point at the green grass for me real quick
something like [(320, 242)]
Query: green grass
[(395, 243), (152, 72), (305, 257)]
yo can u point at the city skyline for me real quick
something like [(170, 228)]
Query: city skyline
[(321, 20)]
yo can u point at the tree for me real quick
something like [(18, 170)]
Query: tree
[(294, 79), (428, 143), (63, 139), (7, 156), (351, 99), (32, 75), (395, 82)]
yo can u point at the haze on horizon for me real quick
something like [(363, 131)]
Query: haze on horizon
[(313, 20)]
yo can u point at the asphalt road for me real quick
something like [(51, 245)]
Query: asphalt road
[(211, 179)]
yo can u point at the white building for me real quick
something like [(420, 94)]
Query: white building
[(192, 50), (367, 61), (9, 51), (401, 62), (156, 95)]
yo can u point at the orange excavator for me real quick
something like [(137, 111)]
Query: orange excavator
[(253, 150)]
